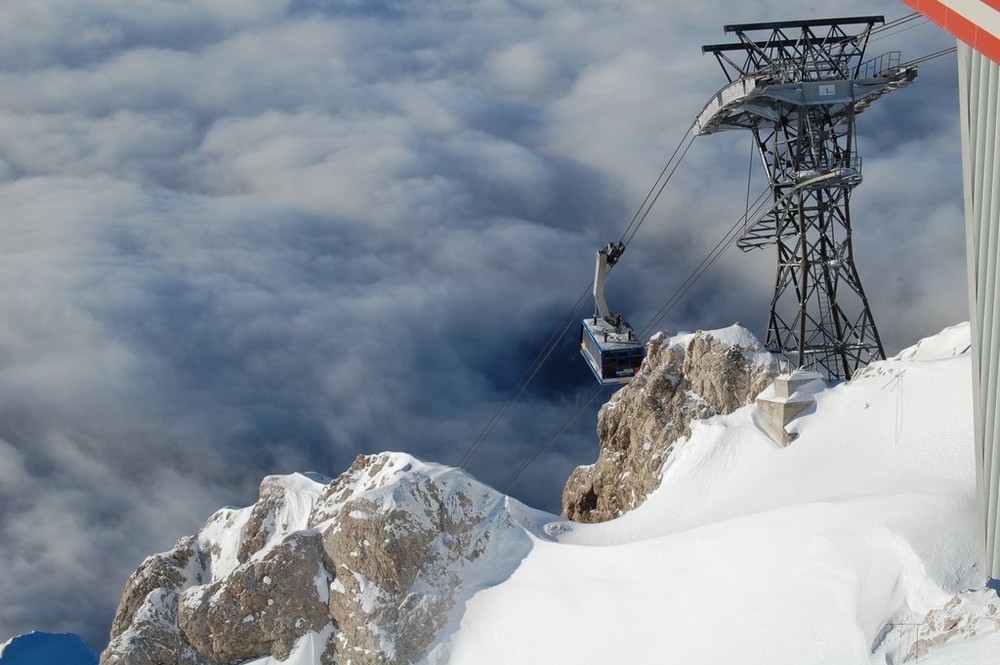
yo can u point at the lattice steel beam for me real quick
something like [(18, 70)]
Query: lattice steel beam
[(799, 89)]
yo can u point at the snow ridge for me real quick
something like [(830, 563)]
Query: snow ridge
[(375, 566)]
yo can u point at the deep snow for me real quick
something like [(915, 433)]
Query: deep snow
[(829, 551)]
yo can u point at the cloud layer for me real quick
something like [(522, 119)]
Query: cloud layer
[(244, 238)]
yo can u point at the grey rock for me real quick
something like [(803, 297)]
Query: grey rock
[(153, 637), (162, 571), (262, 607), (401, 547), (197, 604), (373, 561), (679, 382)]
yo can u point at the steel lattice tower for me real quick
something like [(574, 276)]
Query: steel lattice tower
[(798, 87)]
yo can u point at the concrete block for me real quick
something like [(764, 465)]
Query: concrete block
[(787, 397)]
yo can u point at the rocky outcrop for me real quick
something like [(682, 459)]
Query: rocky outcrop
[(369, 567), (684, 377), (912, 637), (967, 614), (163, 572), (401, 551), (206, 601), (262, 607)]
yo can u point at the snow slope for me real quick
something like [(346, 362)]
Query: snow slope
[(749, 553)]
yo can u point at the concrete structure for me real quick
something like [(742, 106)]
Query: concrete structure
[(787, 397), (976, 24)]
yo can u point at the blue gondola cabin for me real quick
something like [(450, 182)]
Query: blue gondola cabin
[(612, 351)]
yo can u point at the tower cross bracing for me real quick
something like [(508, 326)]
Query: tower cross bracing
[(798, 86)]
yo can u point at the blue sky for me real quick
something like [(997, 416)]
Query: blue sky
[(244, 238)]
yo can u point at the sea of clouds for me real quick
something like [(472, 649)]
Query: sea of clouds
[(254, 237)]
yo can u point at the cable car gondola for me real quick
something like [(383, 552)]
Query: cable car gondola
[(606, 340)]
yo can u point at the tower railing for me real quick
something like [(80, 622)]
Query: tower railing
[(883, 63)]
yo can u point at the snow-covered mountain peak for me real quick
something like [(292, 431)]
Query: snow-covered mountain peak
[(376, 563), (391, 479), (855, 544), (734, 335)]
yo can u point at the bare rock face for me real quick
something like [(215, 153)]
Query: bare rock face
[(263, 606), (401, 543), (152, 637), (368, 567), (199, 604), (683, 378), (164, 572), (967, 614)]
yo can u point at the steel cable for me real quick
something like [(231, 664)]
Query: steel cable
[(543, 355), (551, 438)]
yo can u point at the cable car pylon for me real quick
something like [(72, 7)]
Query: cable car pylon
[(798, 87)]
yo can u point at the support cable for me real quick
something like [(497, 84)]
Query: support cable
[(543, 355), (906, 18), (932, 56), (899, 31), (647, 205), (551, 438), (526, 378), (755, 211)]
